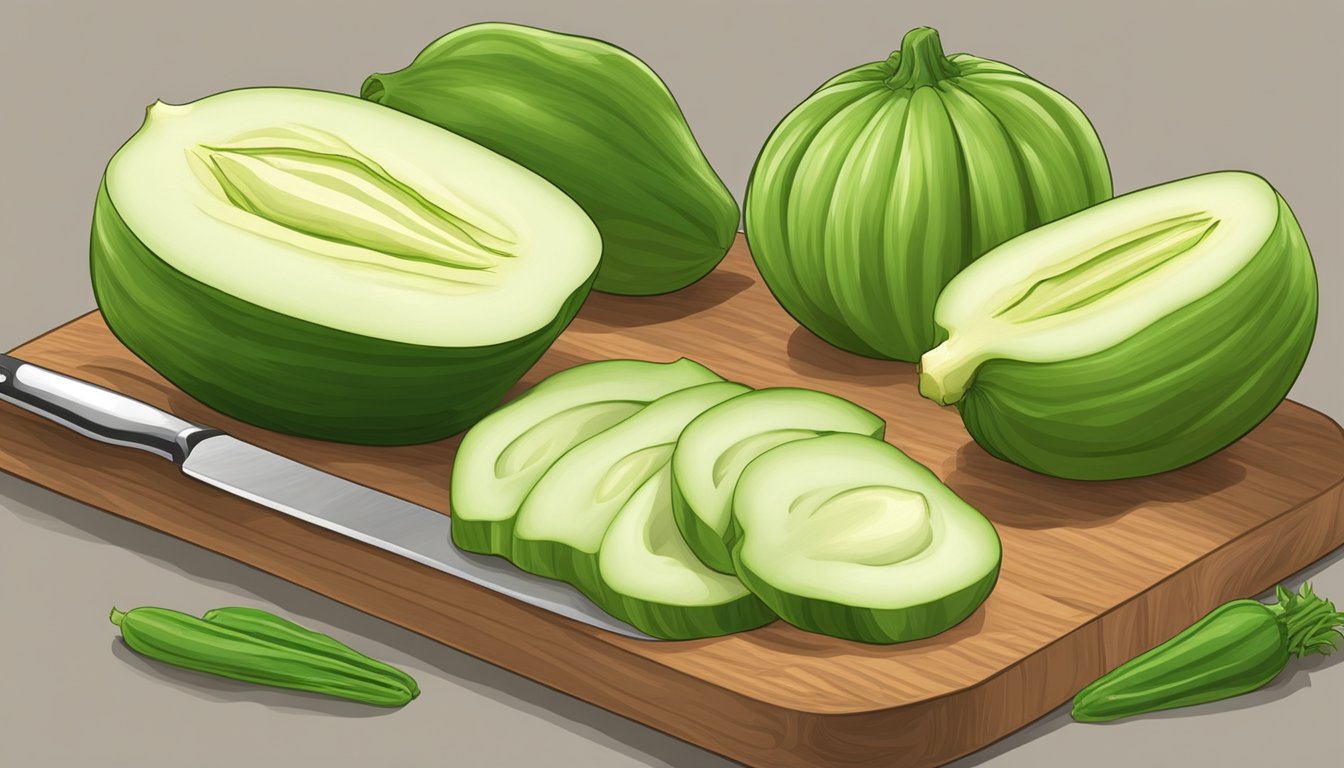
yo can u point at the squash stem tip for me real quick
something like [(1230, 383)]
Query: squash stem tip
[(116, 616), (1313, 624), (920, 60), (373, 88), (945, 373)]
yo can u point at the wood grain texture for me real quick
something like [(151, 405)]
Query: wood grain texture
[(1093, 573)]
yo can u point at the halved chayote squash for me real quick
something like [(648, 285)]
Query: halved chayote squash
[(594, 120), (1131, 338), (846, 535), (318, 264)]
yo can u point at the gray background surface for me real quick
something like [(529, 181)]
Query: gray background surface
[(1174, 88)]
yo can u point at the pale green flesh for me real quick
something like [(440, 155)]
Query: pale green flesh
[(1088, 281), (504, 455), (733, 460), (851, 520), (630, 471), (576, 499), (869, 525), (719, 444), (643, 555), (548, 439), (1109, 267), (376, 223), (349, 200)]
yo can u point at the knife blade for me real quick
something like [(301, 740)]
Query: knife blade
[(282, 484)]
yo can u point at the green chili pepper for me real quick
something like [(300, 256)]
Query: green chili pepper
[(268, 626), (1237, 648), (253, 646)]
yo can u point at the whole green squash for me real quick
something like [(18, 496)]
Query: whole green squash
[(1133, 337), (595, 121), (893, 176)]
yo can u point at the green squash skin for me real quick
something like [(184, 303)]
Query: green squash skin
[(553, 560), (867, 199), (867, 625), (1182, 389), (581, 570), (289, 375), (485, 537), (703, 540), (681, 623), (594, 121)]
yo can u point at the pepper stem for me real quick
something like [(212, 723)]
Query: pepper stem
[(116, 616), (920, 61), (1313, 624)]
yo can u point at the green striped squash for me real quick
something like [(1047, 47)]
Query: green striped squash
[(894, 176), (596, 122)]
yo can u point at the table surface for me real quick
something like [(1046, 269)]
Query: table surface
[(77, 696)]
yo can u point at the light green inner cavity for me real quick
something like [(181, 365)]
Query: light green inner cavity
[(323, 188), (545, 440), (868, 525), (731, 462), (1109, 266), (644, 555), (631, 471)]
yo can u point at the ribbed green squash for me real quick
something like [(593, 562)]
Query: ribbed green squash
[(317, 264), (893, 176), (594, 120), (1134, 337)]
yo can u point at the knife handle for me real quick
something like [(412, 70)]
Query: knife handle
[(97, 412)]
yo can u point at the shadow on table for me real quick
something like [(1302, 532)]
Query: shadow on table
[(45, 509), (608, 311), (809, 355), (1019, 498)]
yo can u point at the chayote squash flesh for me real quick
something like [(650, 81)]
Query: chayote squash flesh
[(320, 265), (845, 535), (594, 120), (1131, 338), (893, 176)]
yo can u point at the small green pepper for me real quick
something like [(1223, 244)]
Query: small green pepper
[(1238, 647), (253, 646), (268, 626)]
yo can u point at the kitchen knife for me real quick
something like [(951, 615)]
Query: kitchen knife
[(211, 456)]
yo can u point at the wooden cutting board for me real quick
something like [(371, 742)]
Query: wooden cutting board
[(1093, 573)]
